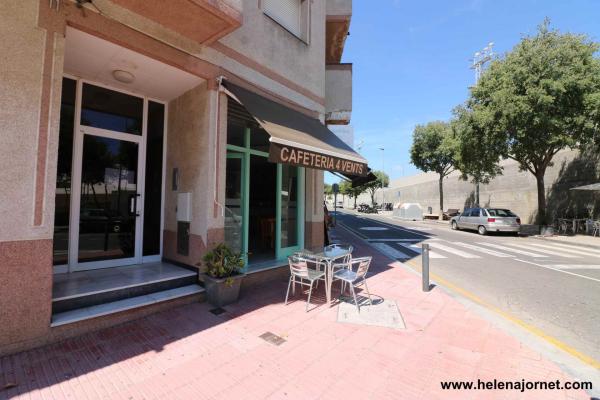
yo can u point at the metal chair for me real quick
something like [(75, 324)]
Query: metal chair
[(345, 259), (300, 272), (596, 229), (347, 275)]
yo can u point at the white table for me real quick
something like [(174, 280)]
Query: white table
[(327, 256)]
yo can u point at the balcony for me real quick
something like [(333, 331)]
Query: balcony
[(338, 94), (339, 13), (203, 21)]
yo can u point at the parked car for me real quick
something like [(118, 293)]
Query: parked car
[(485, 220)]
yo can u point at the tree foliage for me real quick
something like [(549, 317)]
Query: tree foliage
[(540, 98), (434, 150), (383, 180)]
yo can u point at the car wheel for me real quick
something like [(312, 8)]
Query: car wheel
[(482, 230), (454, 226)]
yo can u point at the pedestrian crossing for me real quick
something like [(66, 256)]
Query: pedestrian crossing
[(440, 249)]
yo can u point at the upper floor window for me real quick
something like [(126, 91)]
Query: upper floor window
[(293, 15)]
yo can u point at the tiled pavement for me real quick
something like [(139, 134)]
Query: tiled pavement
[(188, 353)]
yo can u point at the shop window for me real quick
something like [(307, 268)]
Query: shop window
[(107, 109), (154, 173), (293, 15), (62, 197)]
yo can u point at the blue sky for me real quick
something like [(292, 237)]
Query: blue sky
[(411, 61)]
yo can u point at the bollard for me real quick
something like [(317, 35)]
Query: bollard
[(425, 267)]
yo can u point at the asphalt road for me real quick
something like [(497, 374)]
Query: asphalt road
[(552, 287)]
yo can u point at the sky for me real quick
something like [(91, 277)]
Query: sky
[(411, 61)]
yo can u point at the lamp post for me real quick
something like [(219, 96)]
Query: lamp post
[(478, 62), (382, 170)]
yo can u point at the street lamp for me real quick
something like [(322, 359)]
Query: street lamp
[(383, 171), (478, 62)]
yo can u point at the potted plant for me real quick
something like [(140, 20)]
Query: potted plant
[(223, 275)]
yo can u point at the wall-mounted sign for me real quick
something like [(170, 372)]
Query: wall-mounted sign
[(304, 158)]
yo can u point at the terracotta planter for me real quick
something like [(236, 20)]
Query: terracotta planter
[(223, 291)]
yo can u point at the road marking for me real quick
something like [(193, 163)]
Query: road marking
[(529, 328), (581, 252), (417, 249), (523, 252), (575, 266), (374, 228), (559, 270), (395, 240), (554, 253), (576, 248), (483, 250), (390, 251), (448, 249)]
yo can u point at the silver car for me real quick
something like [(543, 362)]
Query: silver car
[(485, 220)]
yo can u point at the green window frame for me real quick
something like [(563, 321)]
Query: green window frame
[(234, 151)]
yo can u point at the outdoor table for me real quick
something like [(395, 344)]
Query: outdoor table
[(574, 222), (328, 256)]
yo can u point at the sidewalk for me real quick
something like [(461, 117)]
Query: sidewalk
[(189, 353)]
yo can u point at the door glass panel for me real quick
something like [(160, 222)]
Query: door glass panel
[(62, 199), (154, 173), (107, 218), (233, 203), (289, 205), (106, 109)]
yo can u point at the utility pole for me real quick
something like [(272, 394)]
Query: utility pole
[(382, 170), (478, 62)]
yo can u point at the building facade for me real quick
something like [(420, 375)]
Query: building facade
[(141, 134)]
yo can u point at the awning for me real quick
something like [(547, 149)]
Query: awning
[(593, 186), (298, 139)]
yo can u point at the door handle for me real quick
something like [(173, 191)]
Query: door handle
[(133, 204)]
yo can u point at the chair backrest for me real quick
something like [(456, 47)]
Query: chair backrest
[(298, 266), (363, 266)]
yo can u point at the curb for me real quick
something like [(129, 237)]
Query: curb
[(584, 245)]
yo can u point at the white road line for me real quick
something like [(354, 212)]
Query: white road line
[(576, 247), (554, 253), (559, 270), (390, 251), (517, 251), (577, 250), (482, 250), (451, 250), (417, 249), (580, 252), (394, 240), (575, 266)]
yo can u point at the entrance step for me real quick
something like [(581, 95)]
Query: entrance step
[(97, 287), (80, 314)]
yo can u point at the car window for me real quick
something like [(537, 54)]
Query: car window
[(500, 212), (466, 212), (475, 212)]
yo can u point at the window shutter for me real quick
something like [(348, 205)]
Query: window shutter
[(285, 12)]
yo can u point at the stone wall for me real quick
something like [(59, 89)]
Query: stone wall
[(514, 189)]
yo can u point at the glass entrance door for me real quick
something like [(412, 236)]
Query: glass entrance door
[(236, 214), (290, 209), (109, 199)]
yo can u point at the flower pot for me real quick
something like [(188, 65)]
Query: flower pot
[(222, 291)]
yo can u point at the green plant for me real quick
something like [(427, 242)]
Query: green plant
[(222, 262)]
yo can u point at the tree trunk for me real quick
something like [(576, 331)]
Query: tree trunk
[(355, 202), (541, 194), (373, 198), (441, 215)]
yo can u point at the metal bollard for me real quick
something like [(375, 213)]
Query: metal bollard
[(425, 267)]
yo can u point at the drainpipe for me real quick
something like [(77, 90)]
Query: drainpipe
[(217, 143)]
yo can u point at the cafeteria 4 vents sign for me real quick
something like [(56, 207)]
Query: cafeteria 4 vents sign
[(305, 158)]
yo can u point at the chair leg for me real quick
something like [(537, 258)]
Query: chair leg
[(309, 293), (354, 295), (368, 293), (294, 285), (288, 291)]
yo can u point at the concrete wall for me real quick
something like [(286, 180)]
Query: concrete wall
[(338, 93), (514, 189), (339, 7), (192, 149)]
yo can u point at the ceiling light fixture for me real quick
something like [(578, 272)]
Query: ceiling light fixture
[(123, 76)]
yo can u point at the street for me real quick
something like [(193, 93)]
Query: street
[(552, 287)]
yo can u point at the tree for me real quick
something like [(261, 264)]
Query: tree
[(540, 98), (353, 192), (474, 161), (434, 149), (383, 180)]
